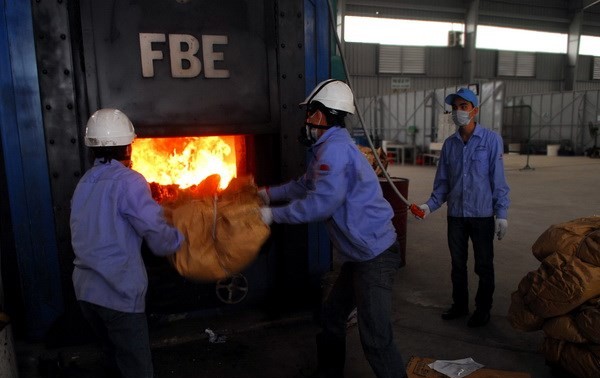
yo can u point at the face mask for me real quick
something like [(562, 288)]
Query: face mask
[(311, 134), (461, 117)]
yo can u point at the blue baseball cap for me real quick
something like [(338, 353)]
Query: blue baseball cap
[(465, 94)]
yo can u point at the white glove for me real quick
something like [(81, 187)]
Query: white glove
[(425, 208), (501, 227), (264, 196), (266, 215)]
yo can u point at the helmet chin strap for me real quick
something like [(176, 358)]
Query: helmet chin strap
[(322, 127)]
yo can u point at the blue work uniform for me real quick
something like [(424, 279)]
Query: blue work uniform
[(112, 210), (470, 178), (341, 188)]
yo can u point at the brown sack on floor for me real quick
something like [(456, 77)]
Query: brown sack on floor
[(520, 317), (581, 360), (561, 284), (589, 248), (588, 320), (564, 328), (223, 234), (565, 237)]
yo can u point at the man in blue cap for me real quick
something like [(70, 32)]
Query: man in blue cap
[(470, 178)]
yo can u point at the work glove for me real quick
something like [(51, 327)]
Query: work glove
[(266, 215), (264, 195), (425, 208), (501, 227)]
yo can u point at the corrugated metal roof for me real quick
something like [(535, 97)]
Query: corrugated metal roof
[(542, 15)]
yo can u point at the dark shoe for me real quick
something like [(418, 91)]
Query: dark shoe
[(479, 318), (331, 356), (327, 374), (455, 312)]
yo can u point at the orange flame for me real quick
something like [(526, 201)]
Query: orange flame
[(185, 161)]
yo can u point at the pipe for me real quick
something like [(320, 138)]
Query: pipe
[(413, 208)]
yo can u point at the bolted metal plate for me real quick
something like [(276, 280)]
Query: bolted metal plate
[(182, 67)]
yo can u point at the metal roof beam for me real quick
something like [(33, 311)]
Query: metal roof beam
[(589, 3)]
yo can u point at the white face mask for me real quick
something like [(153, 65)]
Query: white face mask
[(312, 134), (461, 117)]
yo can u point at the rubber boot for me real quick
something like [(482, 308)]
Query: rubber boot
[(331, 356)]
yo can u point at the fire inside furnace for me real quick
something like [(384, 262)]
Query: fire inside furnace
[(188, 163)]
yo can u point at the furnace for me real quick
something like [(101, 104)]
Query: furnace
[(212, 88)]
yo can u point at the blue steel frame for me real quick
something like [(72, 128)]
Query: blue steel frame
[(317, 68), (28, 182), (27, 179)]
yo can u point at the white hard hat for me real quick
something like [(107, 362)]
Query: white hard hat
[(109, 127), (334, 94)]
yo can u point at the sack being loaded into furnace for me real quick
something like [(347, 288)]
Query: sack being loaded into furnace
[(223, 230), (562, 297)]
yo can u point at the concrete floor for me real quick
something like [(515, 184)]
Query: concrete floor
[(558, 189)]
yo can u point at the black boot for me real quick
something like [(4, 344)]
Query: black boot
[(455, 312), (331, 356)]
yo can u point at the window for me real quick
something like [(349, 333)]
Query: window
[(401, 60), (514, 63), (400, 32), (589, 45), (508, 39), (596, 69)]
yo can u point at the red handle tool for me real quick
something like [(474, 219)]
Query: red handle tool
[(417, 211)]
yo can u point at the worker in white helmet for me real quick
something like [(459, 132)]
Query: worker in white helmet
[(341, 188), (112, 211)]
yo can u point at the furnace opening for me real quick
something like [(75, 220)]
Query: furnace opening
[(185, 161), (173, 165)]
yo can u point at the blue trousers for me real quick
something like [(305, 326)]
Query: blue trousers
[(481, 232), (368, 287), (126, 337)]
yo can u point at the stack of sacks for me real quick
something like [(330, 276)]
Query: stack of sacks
[(562, 297), (223, 231), (368, 152)]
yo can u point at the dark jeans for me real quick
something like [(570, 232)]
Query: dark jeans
[(126, 337), (481, 233), (368, 287)]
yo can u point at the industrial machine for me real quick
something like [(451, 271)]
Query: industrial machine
[(180, 69)]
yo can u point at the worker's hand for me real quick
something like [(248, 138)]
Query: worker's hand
[(501, 227), (425, 209), (266, 215), (264, 195)]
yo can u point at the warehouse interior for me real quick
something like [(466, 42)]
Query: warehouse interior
[(258, 343), (545, 105)]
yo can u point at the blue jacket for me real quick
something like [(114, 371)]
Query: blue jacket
[(470, 177), (112, 210), (341, 188)]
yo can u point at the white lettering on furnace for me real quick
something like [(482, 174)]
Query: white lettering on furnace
[(183, 48)]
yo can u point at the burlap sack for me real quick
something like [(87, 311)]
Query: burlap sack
[(564, 328), (588, 320), (589, 248), (223, 234), (561, 284), (564, 238), (520, 317), (368, 152), (581, 360)]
